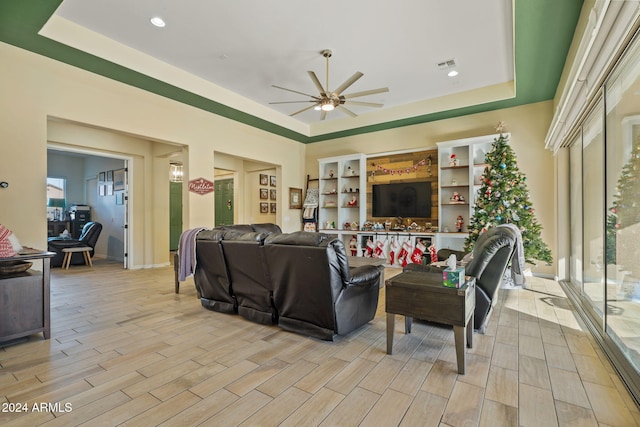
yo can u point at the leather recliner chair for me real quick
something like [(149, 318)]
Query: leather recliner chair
[(88, 237), (492, 254), (211, 277), (314, 290)]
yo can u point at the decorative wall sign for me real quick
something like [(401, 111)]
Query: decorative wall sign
[(200, 186)]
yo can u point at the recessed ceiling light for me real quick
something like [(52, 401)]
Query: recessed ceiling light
[(157, 21), (452, 73)]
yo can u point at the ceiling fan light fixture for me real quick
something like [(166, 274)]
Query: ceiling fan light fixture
[(452, 73), (327, 105), (157, 21)]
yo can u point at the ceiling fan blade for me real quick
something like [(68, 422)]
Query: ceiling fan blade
[(323, 115), (366, 104), (348, 83), (366, 92), (303, 110), (316, 82), (346, 110), (292, 102), (295, 91)]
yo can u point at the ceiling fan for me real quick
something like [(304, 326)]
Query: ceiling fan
[(328, 100)]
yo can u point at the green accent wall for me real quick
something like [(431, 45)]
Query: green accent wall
[(543, 33)]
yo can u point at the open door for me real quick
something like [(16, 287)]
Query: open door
[(224, 202)]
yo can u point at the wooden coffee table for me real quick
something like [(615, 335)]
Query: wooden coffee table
[(422, 295)]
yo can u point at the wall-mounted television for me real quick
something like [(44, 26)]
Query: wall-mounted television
[(407, 199)]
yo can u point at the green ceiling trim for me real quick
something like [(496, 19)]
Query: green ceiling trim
[(543, 34)]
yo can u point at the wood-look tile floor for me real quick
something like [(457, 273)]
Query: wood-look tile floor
[(126, 350)]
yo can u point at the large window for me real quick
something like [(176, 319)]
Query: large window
[(604, 172), (623, 203)]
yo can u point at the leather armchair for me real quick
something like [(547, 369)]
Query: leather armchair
[(88, 237), (491, 255), (315, 291)]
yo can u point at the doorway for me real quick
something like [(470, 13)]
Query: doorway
[(223, 202), (98, 184)]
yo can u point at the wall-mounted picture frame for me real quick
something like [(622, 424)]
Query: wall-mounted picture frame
[(272, 194), (109, 189), (272, 180), (295, 198), (101, 177), (109, 176), (119, 197), (102, 189), (264, 207), (273, 207), (264, 193), (118, 179), (264, 179)]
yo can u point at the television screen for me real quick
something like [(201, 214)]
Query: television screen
[(410, 199)]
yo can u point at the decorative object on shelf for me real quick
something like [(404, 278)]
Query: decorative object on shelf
[(453, 160), (353, 202), (459, 224), (400, 171), (457, 198), (349, 172), (331, 173), (330, 204), (429, 161), (354, 225), (503, 198), (330, 225), (454, 181), (353, 246)]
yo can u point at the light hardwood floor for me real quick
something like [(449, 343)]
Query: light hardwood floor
[(126, 350)]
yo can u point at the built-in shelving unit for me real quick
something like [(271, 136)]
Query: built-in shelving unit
[(463, 179), (342, 202)]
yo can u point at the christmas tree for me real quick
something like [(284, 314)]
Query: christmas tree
[(623, 222), (503, 198)]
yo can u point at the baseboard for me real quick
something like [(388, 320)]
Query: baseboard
[(145, 266)]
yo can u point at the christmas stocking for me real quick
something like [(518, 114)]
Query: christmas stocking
[(393, 249), (404, 253), (370, 247), (377, 251), (416, 255), (433, 254)]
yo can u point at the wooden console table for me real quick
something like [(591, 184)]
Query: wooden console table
[(24, 298), (422, 295)]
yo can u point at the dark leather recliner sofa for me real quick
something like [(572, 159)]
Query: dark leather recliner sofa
[(300, 281), (492, 254)]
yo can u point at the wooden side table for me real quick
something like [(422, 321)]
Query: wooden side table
[(422, 295), (24, 298)]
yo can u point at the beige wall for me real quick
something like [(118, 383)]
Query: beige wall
[(35, 89), (527, 124)]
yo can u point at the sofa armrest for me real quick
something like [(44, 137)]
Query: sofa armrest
[(364, 275)]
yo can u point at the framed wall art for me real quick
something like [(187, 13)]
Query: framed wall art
[(264, 207), (264, 179), (118, 180), (295, 198), (272, 180), (273, 207), (264, 193), (272, 194)]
